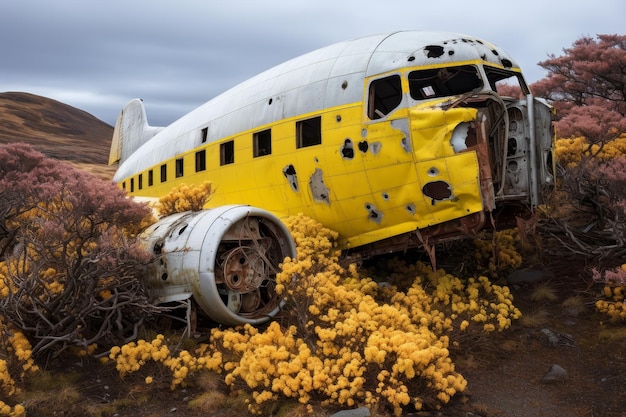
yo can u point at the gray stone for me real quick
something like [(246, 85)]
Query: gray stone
[(357, 412), (553, 338), (555, 374)]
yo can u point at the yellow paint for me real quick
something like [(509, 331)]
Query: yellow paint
[(432, 129), (387, 181)]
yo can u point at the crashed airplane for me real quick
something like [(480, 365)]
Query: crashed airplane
[(394, 140)]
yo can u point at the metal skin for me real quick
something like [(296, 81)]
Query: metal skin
[(395, 140), (226, 259)]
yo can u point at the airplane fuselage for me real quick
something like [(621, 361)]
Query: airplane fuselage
[(385, 139)]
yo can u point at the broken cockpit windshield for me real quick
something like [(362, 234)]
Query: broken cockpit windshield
[(506, 83), (444, 82)]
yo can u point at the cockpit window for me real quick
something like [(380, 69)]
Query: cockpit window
[(385, 94), (506, 83), (444, 82)]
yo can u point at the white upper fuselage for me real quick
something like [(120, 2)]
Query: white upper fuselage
[(328, 77)]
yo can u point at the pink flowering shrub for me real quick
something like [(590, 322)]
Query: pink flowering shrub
[(69, 265)]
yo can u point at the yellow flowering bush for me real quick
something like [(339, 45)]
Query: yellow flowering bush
[(500, 253), (455, 304), (613, 304), (16, 365), (132, 356), (343, 339), (351, 341), (70, 270), (570, 151), (185, 198), (7, 410)]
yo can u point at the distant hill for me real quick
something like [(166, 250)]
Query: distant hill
[(55, 129)]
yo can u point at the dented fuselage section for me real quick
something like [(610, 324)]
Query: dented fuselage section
[(475, 155), (393, 140)]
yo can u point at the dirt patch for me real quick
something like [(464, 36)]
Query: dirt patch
[(508, 382)]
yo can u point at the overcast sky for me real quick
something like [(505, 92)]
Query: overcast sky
[(97, 55)]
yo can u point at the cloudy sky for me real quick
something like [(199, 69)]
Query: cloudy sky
[(97, 55)]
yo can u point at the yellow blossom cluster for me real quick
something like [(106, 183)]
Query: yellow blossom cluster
[(53, 282), (185, 198), (84, 351), (132, 356), (6, 380), (18, 355), (4, 282), (8, 270), (569, 151), (500, 253), (21, 349), (614, 305), (387, 366), (7, 410), (452, 302)]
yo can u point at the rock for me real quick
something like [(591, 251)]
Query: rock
[(357, 412), (555, 374), (553, 338)]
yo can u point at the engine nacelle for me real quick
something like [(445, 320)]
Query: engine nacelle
[(225, 258)]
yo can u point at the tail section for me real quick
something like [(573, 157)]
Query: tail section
[(131, 131)]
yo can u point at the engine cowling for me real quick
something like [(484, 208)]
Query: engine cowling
[(226, 258)]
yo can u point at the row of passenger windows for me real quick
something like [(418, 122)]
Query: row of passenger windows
[(308, 133)]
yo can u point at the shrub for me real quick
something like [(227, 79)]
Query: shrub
[(498, 254), (69, 265), (613, 301), (342, 338), (185, 198)]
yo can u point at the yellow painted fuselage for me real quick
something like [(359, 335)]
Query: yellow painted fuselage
[(381, 154)]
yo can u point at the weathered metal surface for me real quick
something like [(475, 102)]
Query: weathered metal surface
[(226, 259)]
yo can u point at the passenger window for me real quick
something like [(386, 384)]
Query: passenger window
[(140, 181), (309, 132), (385, 95), (179, 168), (443, 82), (200, 161), (132, 185), (150, 178), (163, 173), (227, 152), (204, 134), (262, 143)]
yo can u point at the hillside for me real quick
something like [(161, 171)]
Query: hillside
[(56, 129)]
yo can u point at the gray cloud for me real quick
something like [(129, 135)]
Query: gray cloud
[(176, 55)]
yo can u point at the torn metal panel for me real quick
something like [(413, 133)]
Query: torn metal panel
[(432, 129), (451, 188), (402, 125), (318, 189), (290, 173)]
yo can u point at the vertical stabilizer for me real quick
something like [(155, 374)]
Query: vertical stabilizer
[(131, 131)]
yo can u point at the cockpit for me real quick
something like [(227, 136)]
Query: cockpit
[(385, 94)]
